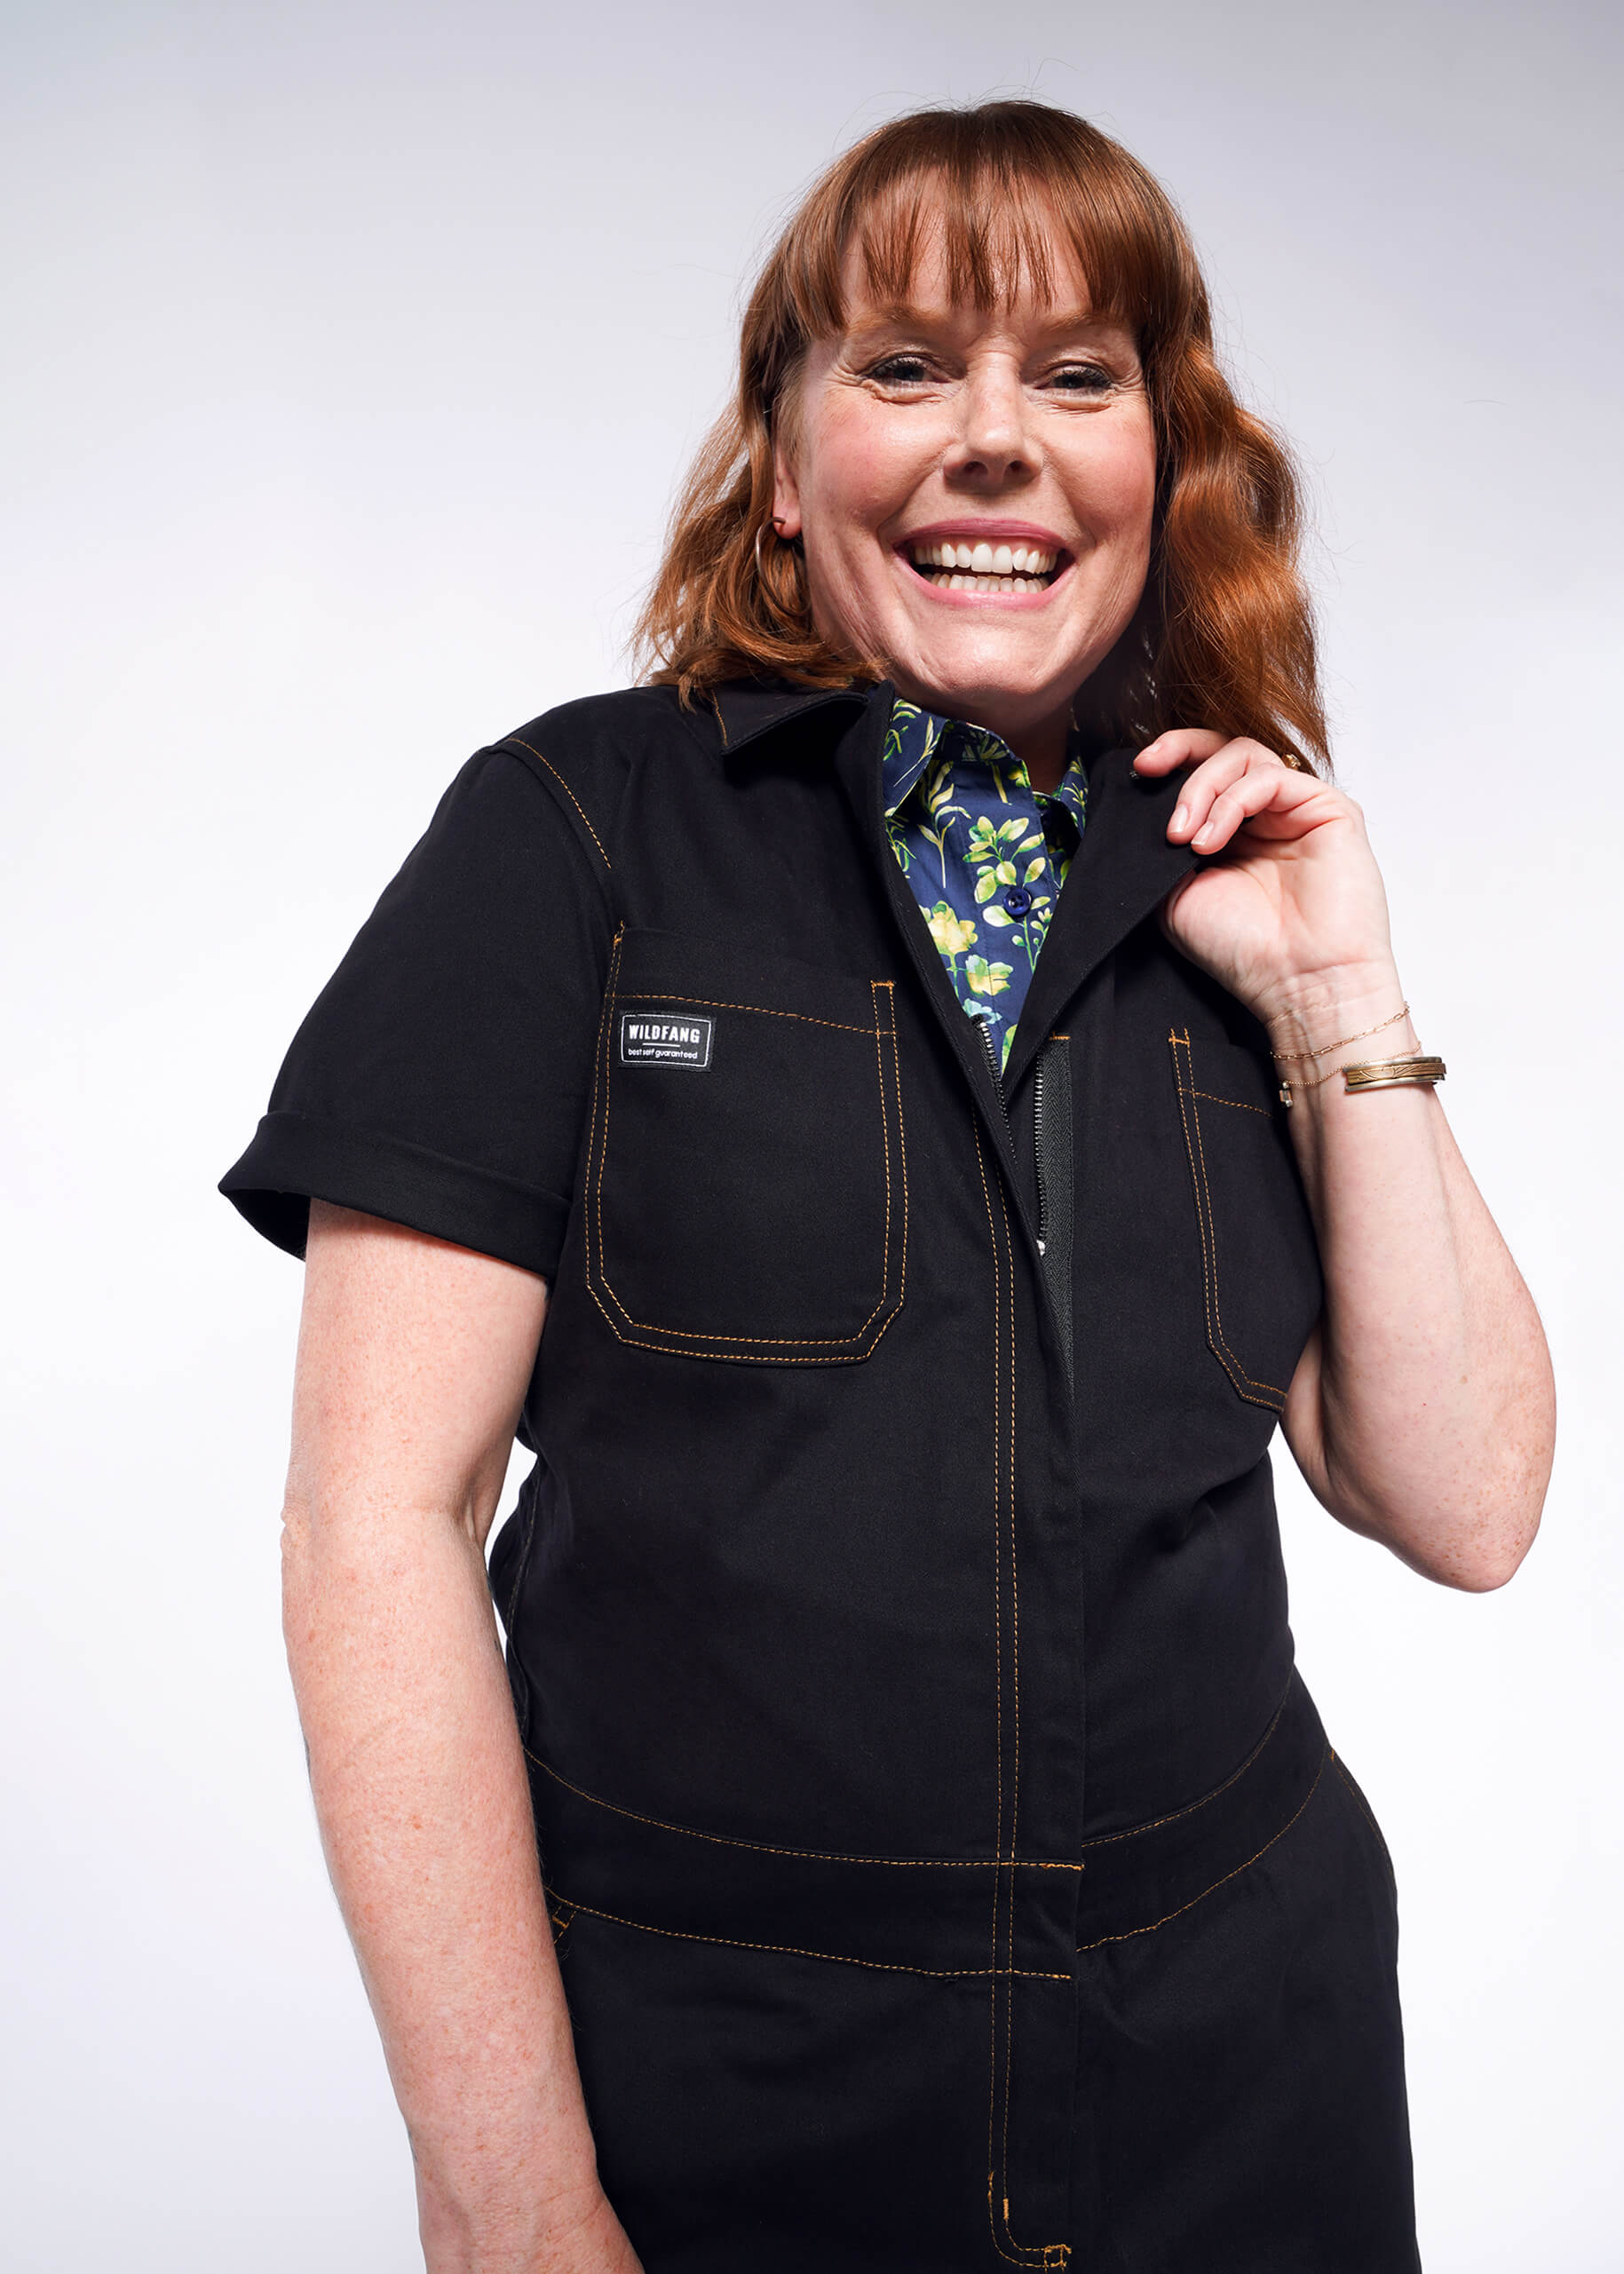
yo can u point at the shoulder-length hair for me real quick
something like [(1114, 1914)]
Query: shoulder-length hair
[(1223, 636)]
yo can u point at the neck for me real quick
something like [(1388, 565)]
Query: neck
[(1040, 742)]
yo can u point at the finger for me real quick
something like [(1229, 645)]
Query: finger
[(1269, 788), (1197, 793), (1181, 746)]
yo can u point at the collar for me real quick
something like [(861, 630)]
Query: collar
[(748, 708), (917, 739)]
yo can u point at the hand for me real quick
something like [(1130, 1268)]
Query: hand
[(1291, 915)]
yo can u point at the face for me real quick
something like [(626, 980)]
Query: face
[(973, 489)]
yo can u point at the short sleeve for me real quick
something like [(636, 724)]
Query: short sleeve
[(441, 1078)]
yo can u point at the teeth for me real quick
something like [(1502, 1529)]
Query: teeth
[(983, 559)]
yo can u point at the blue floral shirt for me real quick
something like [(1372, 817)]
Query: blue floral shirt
[(985, 852)]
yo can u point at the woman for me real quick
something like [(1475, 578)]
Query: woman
[(941, 1865)]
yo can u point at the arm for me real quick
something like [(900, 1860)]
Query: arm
[(1422, 1412), (414, 1360)]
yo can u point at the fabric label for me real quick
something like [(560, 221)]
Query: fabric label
[(650, 1038)]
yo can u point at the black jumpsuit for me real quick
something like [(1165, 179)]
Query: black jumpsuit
[(948, 1869)]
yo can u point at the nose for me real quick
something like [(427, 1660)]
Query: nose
[(992, 447)]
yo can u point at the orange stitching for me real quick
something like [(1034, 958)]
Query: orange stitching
[(1003, 1890), (896, 1086), (793, 1950), (802, 1855), (740, 1346), (1106, 1839), (1130, 1932), (1218, 1342), (1008, 2019), (599, 1079), (520, 743), (1239, 1103), (708, 1002), (991, 2074), (1255, 1381), (683, 1348)]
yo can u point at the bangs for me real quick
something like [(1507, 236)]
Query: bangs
[(1006, 201)]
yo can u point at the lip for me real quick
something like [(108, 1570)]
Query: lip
[(971, 529)]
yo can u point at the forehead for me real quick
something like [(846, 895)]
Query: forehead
[(977, 247), (1062, 299)]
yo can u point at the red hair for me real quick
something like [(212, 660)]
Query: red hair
[(1223, 636)]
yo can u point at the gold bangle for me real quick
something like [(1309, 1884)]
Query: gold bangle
[(1382, 1074), (1392, 1073), (1285, 1058)]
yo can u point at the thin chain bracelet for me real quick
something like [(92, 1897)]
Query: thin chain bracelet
[(1285, 1058)]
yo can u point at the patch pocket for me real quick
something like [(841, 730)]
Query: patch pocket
[(1260, 1261), (746, 1190)]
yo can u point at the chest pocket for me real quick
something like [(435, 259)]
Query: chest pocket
[(1261, 1285), (746, 1190)]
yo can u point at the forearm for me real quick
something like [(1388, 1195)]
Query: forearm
[(1424, 1413), (420, 1790)]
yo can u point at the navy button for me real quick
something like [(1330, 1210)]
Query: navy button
[(1017, 900)]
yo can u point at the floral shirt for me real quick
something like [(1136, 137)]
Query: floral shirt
[(985, 852)]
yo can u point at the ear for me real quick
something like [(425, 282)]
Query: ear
[(786, 495)]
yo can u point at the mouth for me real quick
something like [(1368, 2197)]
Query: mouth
[(974, 562)]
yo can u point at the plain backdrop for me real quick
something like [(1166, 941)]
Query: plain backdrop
[(352, 353)]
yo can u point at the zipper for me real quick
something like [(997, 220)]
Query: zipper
[(1038, 1087), (1051, 1143), (983, 1029)]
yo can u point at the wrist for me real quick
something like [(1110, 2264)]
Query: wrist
[(1315, 1014)]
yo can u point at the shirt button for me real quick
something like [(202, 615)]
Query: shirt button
[(1017, 900)]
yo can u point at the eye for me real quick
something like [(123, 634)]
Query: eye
[(903, 369), (1082, 379)]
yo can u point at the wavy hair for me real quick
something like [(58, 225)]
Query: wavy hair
[(1223, 634)]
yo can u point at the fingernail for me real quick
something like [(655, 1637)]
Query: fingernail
[(1181, 814), (1203, 837)]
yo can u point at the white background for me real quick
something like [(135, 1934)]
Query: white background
[(353, 351)]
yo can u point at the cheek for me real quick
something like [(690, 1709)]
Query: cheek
[(1117, 488), (855, 471)]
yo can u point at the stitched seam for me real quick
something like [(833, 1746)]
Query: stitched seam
[(1107, 1839), (595, 1157), (1239, 1103), (790, 1950), (519, 743), (762, 1011), (1216, 1338), (1009, 2017), (992, 2077), (1128, 1933), (1217, 1315), (799, 1855), (684, 1338), (1003, 1888)]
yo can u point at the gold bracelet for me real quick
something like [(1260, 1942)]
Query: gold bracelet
[(1392, 1073), (1284, 1058), (1380, 1074)]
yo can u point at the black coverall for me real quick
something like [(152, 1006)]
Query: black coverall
[(948, 1869)]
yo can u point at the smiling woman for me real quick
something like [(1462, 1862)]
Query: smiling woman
[(897, 265), (917, 1057)]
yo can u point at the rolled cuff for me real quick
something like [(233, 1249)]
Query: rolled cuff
[(295, 1160)]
